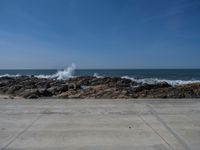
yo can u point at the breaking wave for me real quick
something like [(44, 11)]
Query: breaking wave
[(61, 75), (9, 75), (97, 75), (155, 81), (69, 73)]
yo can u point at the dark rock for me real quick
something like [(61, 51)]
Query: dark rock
[(124, 83), (13, 89), (33, 96), (146, 86), (92, 87), (53, 90), (28, 93), (44, 93), (74, 86)]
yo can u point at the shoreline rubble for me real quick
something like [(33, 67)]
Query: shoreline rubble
[(31, 87)]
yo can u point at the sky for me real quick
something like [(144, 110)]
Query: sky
[(45, 34)]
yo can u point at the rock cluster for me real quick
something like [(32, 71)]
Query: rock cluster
[(92, 87)]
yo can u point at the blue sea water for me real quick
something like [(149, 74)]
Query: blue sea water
[(169, 75)]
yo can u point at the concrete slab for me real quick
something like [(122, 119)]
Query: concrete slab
[(99, 124)]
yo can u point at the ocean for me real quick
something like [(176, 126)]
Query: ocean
[(172, 76)]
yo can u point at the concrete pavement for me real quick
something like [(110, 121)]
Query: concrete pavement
[(99, 124)]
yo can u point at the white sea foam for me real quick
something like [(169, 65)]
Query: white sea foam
[(97, 75), (69, 73), (61, 75), (9, 75), (155, 81)]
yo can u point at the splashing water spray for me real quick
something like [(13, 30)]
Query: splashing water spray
[(62, 74)]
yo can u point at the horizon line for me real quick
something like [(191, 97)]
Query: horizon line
[(101, 68)]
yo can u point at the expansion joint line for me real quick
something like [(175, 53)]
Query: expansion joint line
[(25, 129), (176, 135), (155, 131), (20, 133)]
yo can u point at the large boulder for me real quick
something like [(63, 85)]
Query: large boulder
[(13, 89), (146, 86), (30, 93)]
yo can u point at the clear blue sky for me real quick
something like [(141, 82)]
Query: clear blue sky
[(100, 33)]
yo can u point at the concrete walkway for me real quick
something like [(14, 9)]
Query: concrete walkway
[(99, 124)]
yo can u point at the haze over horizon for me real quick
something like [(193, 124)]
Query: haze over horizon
[(99, 34)]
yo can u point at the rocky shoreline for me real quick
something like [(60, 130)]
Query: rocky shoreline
[(92, 87)]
